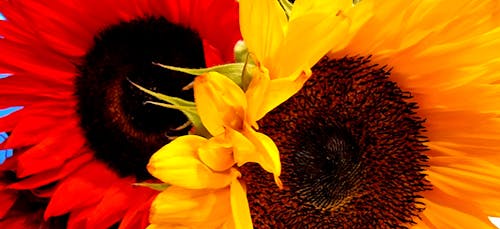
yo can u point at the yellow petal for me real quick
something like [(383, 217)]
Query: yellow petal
[(219, 101), (264, 94), (189, 172), (243, 149), (239, 206), (269, 151), (252, 146), (179, 206), (217, 154), (319, 23), (184, 146), (178, 164), (262, 24)]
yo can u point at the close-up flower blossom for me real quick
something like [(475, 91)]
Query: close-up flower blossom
[(197, 165), (397, 127), (311, 114), (84, 135)]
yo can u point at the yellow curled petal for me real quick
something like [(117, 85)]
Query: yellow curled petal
[(217, 154), (183, 146), (269, 152), (243, 149), (177, 163), (189, 172), (194, 208), (262, 26), (252, 146), (219, 102), (239, 206)]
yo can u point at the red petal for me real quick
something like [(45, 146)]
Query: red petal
[(39, 180), (137, 215), (113, 205), (85, 187), (50, 153), (33, 129), (78, 218), (7, 198), (212, 55)]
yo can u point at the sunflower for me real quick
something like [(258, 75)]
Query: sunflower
[(203, 185), (84, 135), (397, 127)]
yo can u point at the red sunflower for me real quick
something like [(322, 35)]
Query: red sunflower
[(85, 135)]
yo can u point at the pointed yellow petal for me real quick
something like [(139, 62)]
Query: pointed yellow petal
[(179, 206), (252, 146), (269, 151), (264, 94), (219, 101), (262, 25), (239, 205)]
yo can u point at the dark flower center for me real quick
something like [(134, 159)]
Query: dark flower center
[(122, 130), (352, 153)]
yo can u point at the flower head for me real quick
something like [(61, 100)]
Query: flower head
[(84, 135), (395, 127), (230, 110)]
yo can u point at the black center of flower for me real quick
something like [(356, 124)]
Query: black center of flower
[(351, 149), (122, 130), (326, 164)]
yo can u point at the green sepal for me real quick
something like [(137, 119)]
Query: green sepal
[(191, 113), (240, 52), (155, 186), (232, 71), (188, 108), (169, 99)]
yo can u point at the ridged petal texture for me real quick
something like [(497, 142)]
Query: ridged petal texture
[(446, 54)]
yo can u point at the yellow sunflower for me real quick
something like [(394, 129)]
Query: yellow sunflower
[(202, 172), (398, 127)]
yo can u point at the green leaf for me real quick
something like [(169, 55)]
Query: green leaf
[(191, 113), (188, 108), (155, 186), (166, 98), (233, 71)]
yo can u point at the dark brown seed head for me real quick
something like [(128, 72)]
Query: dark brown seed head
[(122, 130), (352, 153)]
